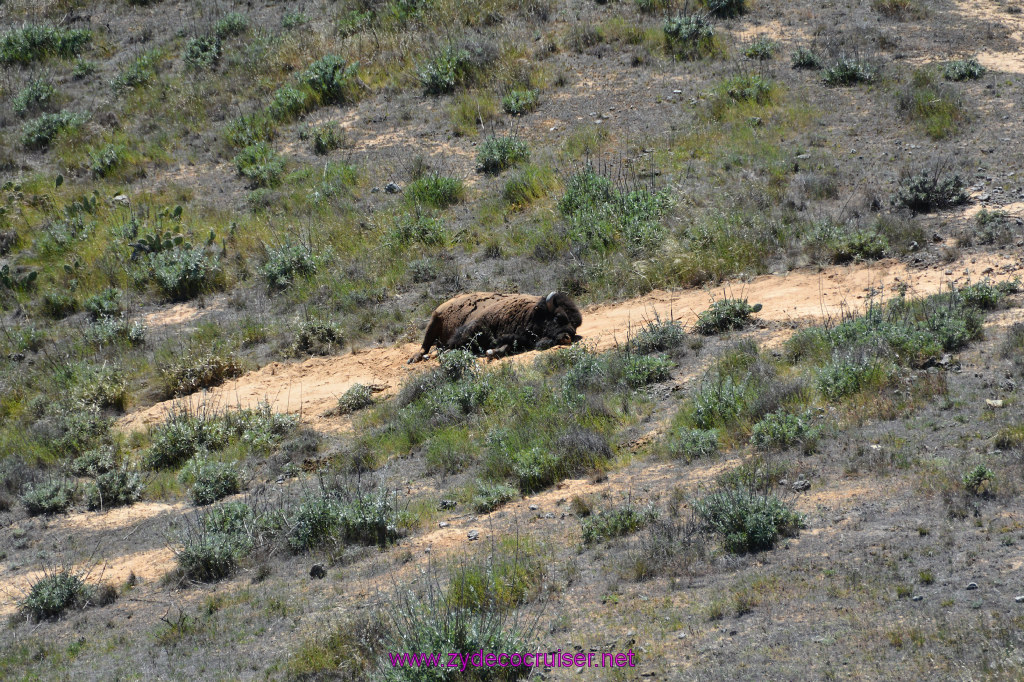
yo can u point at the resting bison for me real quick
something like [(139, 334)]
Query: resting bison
[(499, 324)]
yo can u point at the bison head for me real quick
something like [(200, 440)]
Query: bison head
[(556, 318)]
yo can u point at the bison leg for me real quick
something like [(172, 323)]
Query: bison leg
[(429, 338)]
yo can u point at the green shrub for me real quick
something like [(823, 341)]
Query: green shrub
[(779, 430), (114, 488), (725, 315), (435, 622), (689, 36), (748, 87), (577, 452), (762, 49), (637, 371), (286, 262), (726, 9), (202, 53), (963, 69), (213, 542), (83, 69), (416, 227), (519, 102), (260, 164), (925, 192), (528, 184), (748, 521), (104, 388), (449, 68), (182, 437), (990, 227), (181, 274), (332, 80), (846, 375), (658, 336), (289, 103), (436, 190), (357, 397), (804, 58), (504, 580), (617, 522), (500, 152), (368, 518), (59, 304), (137, 74), (318, 337), (53, 594), (198, 369), (95, 462), (980, 481), (719, 401), (39, 133), (121, 331), (53, 497), (250, 129), (209, 481), (230, 25), (692, 444), (490, 496), (294, 19), (34, 97), (326, 137), (602, 217), (849, 71), (35, 42), (105, 160)]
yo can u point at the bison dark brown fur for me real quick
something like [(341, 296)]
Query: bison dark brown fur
[(499, 324)]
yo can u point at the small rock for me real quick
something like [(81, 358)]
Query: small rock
[(994, 403), (972, 586), (681, 635), (443, 524), (1020, 599), (533, 507), (936, 237), (446, 504), (317, 572), (677, 92), (803, 156), (121, 200), (473, 535), (374, 190), (984, 197), (949, 272), (801, 485), (783, 482), (392, 188), (549, 515), (916, 597)]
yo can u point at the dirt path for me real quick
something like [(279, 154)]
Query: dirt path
[(312, 387)]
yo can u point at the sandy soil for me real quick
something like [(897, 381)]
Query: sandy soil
[(312, 387)]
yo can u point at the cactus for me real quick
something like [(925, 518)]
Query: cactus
[(12, 280)]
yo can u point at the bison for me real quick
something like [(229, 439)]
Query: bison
[(500, 324)]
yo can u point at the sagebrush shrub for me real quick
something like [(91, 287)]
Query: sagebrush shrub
[(519, 102), (963, 69), (209, 480), (692, 444), (202, 52), (689, 36), (55, 593), (748, 521), (449, 68), (34, 97), (35, 42), (39, 133), (332, 80), (436, 190), (114, 488), (260, 164), (500, 152), (849, 71), (490, 496), (181, 274), (357, 397), (53, 497), (285, 263), (616, 522), (805, 58), (927, 191)]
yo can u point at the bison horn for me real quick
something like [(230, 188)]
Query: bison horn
[(551, 305)]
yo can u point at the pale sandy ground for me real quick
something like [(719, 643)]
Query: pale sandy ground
[(312, 387)]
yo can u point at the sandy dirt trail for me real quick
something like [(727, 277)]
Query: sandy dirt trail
[(312, 387)]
